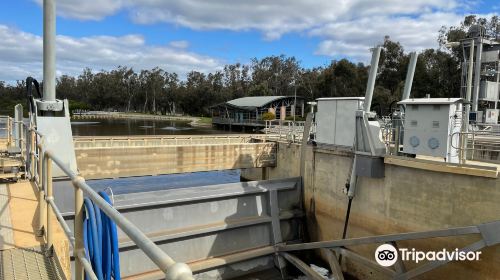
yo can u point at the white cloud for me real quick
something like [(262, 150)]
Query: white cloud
[(346, 27), (354, 38), (179, 44), (273, 18), (87, 10), (21, 55)]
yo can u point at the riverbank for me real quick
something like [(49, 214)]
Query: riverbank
[(193, 121)]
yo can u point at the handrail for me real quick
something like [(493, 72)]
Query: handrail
[(46, 158), (8, 127)]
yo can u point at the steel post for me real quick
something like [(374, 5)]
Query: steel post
[(78, 229), (32, 154), (465, 119), (50, 213), (371, 78), (477, 75), (42, 206), (409, 75), (49, 50)]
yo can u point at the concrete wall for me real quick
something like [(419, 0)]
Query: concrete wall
[(124, 161), (406, 200), (287, 164)]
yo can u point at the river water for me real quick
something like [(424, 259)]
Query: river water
[(110, 127), (123, 127)]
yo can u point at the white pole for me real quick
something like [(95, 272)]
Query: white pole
[(409, 75), (477, 75), (49, 50), (371, 78)]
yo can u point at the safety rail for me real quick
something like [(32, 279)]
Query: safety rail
[(178, 140), (477, 142), (40, 171), (7, 127), (284, 129)]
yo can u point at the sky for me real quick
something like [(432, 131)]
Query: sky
[(204, 35)]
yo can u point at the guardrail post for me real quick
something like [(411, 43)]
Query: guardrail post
[(78, 228), (9, 132), (32, 154), (42, 212), (50, 212)]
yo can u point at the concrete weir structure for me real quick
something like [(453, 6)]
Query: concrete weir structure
[(111, 157), (411, 197)]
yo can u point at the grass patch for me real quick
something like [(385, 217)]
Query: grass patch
[(206, 120)]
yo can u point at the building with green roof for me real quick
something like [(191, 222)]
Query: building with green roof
[(248, 111)]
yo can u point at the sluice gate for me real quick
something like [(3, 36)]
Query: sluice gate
[(220, 231)]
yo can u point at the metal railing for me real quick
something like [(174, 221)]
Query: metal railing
[(7, 122), (477, 143), (237, 121), (40, 171), (176, 140), (289, 130)]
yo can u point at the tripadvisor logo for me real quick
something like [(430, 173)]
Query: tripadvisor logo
[(387, 255)]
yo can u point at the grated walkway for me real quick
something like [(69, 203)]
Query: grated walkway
[(28, 264)]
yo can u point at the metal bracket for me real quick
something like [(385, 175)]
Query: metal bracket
[(54, 106), (490, 233)]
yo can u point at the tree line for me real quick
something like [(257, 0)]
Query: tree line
[(159, 91)]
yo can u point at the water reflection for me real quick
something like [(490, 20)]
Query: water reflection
[(110, 127), (165, 182)]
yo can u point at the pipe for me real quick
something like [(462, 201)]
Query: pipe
[(49, 50), (409, 75), (465, 124), (371, 78), (470, 71), (477, 75)]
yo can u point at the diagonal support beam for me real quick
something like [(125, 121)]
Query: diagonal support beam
[(435, 264), (380, 239), (331, 256), (302, 266)]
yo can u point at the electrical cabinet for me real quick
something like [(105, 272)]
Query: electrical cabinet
[(491, 116), (488, 91), (336, 120), (432, 126)]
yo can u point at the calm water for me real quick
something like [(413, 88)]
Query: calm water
[(108, 127)]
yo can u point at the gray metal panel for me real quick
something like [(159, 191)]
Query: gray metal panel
[(369, 166), (336, 119), (58, 138), (488, 91), (193, 224), (490, 56)]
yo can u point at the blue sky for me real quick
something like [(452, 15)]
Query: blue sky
[(203, 35)]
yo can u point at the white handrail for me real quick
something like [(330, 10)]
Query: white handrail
[(173, 270)]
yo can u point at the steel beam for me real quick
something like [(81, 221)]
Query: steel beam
[(331, 257), (435, 264), (381, 239), (307, 270), (356, 257)]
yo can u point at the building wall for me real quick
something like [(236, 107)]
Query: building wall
[(406, 200)]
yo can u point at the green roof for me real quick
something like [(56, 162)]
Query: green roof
[(254, 101)]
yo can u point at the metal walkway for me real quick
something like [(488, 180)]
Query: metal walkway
[(27, 264)]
